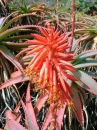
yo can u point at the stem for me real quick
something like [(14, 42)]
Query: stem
[(57, 6), (73, 22)]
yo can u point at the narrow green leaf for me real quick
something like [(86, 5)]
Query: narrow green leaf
[(86, 81), (87, 63), (16, 18), (83, 56)]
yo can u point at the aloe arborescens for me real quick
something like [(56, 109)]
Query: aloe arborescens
[(48, 67)]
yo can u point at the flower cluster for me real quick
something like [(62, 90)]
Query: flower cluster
[(50, 61)]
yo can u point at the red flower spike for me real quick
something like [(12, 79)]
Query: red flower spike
[(49, 64)]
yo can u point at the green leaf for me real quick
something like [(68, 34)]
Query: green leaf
[(83, 56), (87, 63), (86, 81)]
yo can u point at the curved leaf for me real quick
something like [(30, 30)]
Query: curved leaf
[(60, 115), (87, 63), (14, 80), (87, 82), (41, 101), (7, 54), (29, 119), (30, 109), (88, 53), (82, 57), (1, 21), (47, 119), (11, 124), (78, 108)]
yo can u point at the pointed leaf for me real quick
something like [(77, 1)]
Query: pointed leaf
[(1, 21), (81, 58), (7, 54), (29, 119), (60, 115), (87, 82), (30, 109), (88, 53), (78, 108), (41, 101), (14, 80), (87, 63), (47, 119), (11, 124)]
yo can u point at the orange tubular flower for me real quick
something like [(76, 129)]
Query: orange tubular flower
[(49, 64)]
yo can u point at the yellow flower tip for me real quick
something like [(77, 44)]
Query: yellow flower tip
[(27, 71)]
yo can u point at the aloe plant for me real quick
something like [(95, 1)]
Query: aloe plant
[(46, 58)]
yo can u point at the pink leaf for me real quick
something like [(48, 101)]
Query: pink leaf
[(47, 119), (31, 125), (78, 108), (8, 55), (30, 109), (41, 101), (60, 115), (11, 124), (15, 74), (13, 81)]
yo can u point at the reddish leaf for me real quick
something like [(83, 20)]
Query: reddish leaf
[(11, 124), (47, 119), (7, 54), (60, 114), (30, 109), (15, 74), (78, 108), (31, 125), (41, 101), (13, 81)]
